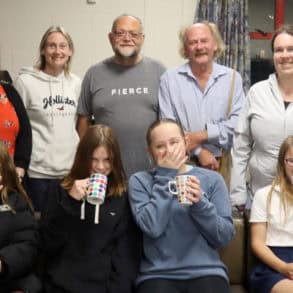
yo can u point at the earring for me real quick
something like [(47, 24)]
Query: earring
[(151, 161)]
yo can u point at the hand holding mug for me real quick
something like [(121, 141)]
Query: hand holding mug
[(193, 189), (79, 189), (187, 189)]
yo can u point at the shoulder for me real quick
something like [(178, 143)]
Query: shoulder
[(17, 202), (263, 192), (153, 62), (260, 91), (209, 180), (101, 67), (264, 84), (141, 176), (226, 71), (73, 77)]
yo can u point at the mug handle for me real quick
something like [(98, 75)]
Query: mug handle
[(171, 190)]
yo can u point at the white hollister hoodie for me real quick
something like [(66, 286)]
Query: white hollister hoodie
[(51, 104)]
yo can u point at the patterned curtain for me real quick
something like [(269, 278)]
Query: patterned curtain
[(231, 16)]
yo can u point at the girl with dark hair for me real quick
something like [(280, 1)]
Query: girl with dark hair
[(82, 256), (271, 228), (18, 231)]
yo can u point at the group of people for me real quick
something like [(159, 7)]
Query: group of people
[(150, 125)]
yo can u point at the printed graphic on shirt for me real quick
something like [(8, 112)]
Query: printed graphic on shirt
[(129, 91), (58, 100)]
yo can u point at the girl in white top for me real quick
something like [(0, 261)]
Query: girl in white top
[(271, 228)]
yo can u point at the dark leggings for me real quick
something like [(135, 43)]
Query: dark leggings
[(209, 284)]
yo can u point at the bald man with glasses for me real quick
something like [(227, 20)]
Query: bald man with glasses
[(122, 92)]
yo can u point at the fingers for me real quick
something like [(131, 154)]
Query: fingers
[(194, 190), (79, 189)]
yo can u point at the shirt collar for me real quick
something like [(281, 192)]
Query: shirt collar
[(218, 70)]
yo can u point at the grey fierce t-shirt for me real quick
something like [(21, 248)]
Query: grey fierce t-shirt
[(126, 99)]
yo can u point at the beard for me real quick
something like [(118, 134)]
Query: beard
[(127, 52)]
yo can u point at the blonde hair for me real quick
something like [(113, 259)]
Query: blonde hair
[(215, 34), (41, 63), (281, 180)]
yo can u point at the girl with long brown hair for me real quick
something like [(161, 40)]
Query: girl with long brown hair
[(82, 255)]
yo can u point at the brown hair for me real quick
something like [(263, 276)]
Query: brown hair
[(41, 64), (96, 136), (215, 34), (281, 179), (286, 28), (10, 179), (160, 122)]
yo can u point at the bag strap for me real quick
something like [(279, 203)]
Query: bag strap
[(231, 93)]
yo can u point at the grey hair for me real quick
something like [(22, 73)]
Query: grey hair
[(127, 15), (215, 33)]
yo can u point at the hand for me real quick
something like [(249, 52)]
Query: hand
[(20, 172), (208, 160), (195, 139), (1, 185), (174, 159), (79, 189), (287, 270), (194, 190)]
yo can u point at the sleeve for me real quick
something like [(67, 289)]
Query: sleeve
[(150, 200), (166, 108), (84, 106), (259, 207), (222, 132), (212, 214), (55, 217), (21, 89), (126, 255), (23, 145), (241, 152), (20, 253)]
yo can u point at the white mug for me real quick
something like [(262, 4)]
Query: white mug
[(96, 191), (178, 187)]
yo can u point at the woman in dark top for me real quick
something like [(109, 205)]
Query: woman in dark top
[(18, 232), (83, 256)]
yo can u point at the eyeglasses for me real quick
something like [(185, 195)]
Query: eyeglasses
[(289, 162), (123, 34)]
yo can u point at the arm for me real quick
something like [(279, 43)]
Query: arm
[(19, 253), (212, 214), (166, 108), (84, 107), (83, 123), (150, 200), (265, 254), (221, 133), (23, 144), (241, 152), (126, 254)]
